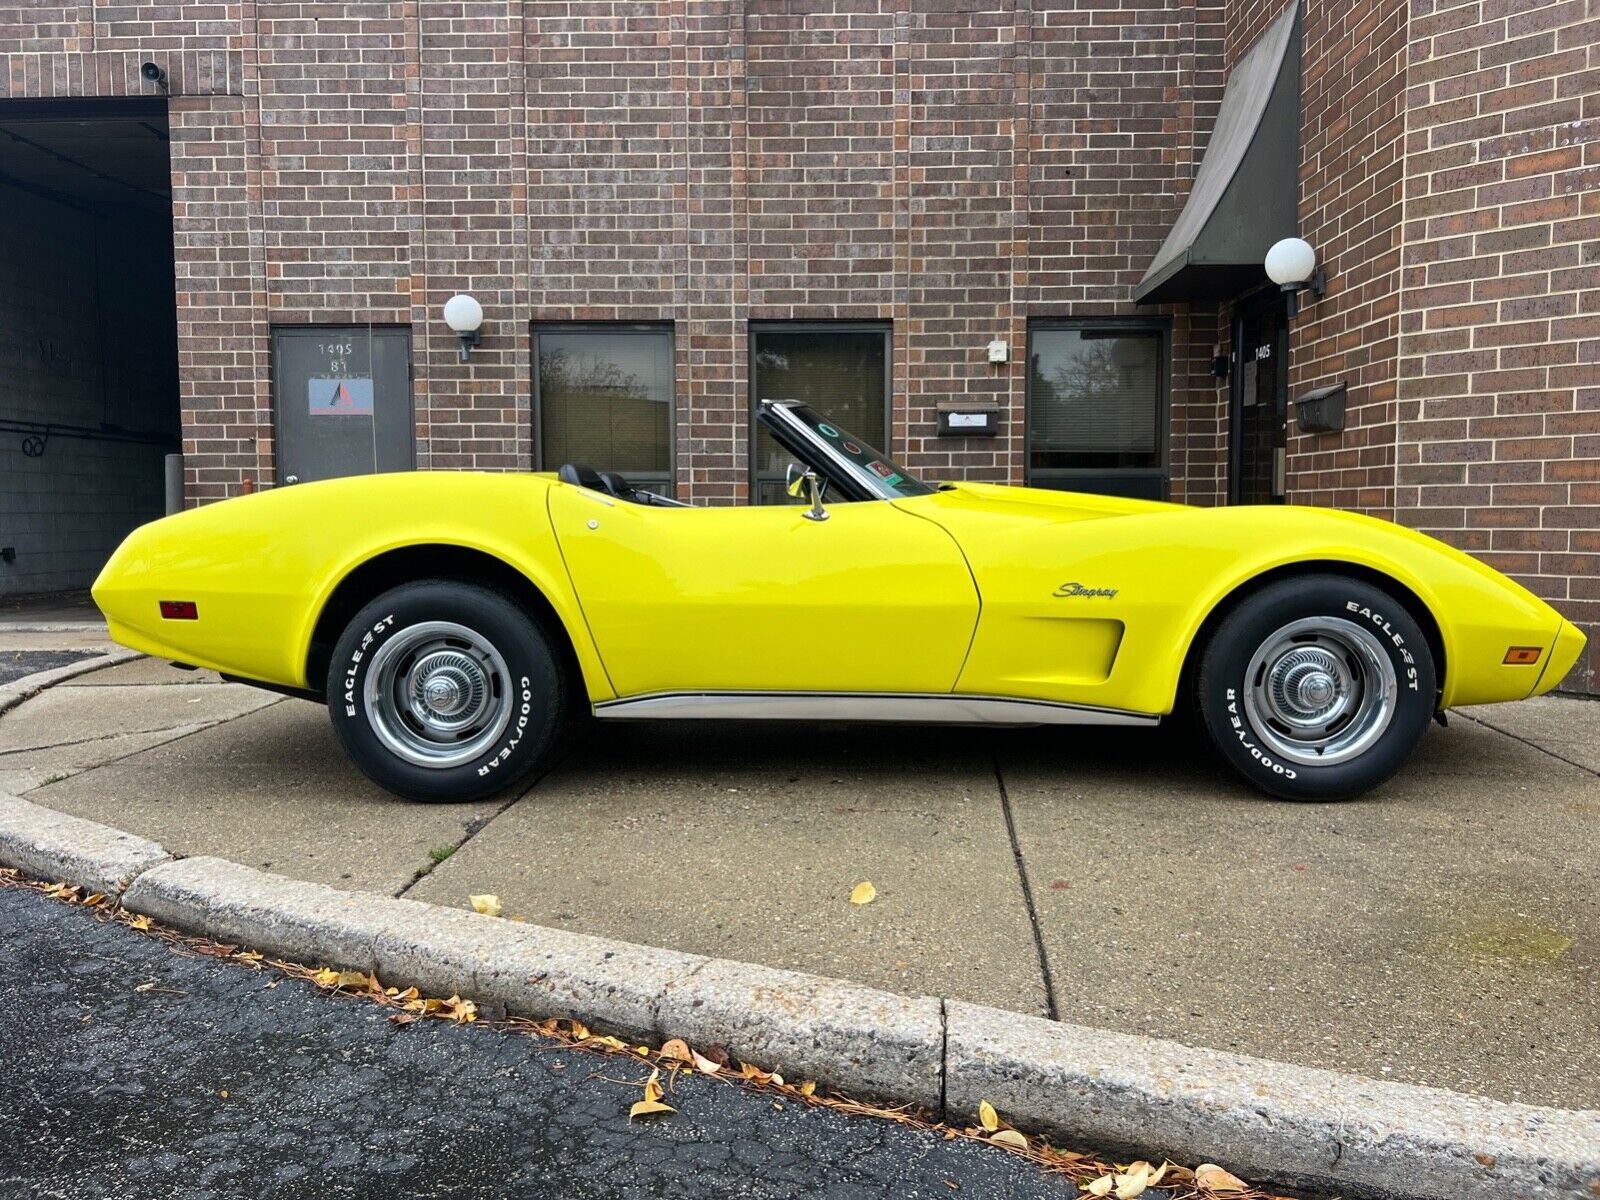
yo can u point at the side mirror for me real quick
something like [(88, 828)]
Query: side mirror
[(800, 481)]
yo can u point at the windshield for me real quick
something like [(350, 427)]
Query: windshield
[(889, 478)]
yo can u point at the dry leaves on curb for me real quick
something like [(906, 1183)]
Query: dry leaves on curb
[(488, 905), (999, 1132), (1129, 1182)]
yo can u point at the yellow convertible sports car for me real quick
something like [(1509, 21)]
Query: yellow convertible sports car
[(453, 622)]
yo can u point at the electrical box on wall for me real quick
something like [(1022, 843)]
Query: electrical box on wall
[(1321, 410), (968, 420)]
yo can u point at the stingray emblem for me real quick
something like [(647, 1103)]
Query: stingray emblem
[(1071, 590)]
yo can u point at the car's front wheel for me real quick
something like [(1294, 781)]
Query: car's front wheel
[(1316, 688), (445, 690)]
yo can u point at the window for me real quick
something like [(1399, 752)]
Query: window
[(1097, 406), (840, 370), (602, 396)]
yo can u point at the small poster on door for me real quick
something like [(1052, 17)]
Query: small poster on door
[(340, 397)]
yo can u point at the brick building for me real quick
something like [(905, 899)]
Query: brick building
[(669, 209)]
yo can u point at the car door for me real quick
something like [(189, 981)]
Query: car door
[(871, 599)]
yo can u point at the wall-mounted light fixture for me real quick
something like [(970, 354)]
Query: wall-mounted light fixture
[(464, 314), (1292, 265)]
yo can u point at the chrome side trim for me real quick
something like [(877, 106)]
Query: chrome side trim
[(927, 708)]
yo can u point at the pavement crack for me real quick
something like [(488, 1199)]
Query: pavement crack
[(1517, 737), (478, 824), (944, 1057), (1027, 895), (183, 729)]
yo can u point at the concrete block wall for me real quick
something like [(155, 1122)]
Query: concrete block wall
[(86, 339)]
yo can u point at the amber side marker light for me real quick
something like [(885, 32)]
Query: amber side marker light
[(1522, 656), (182, 610)]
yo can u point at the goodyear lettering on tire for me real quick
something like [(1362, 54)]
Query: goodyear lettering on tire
[(1241, 731)]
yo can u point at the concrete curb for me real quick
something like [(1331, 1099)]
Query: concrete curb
[(57, 847), (1272, 1121), (1265, 1120), (29, 686)]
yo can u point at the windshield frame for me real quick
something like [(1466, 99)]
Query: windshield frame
[(797, 436)]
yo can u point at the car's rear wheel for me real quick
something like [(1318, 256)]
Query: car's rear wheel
[(1316, 688), (445, 690)]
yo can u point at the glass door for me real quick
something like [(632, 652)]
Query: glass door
[(1260, 426)]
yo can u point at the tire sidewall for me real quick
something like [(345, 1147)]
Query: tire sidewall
[(1222, 684), (536, 681)]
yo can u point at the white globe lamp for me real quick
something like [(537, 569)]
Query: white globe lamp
[(464, 315), (1292, 265)]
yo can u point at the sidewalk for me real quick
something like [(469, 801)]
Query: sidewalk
[(1443, 932)]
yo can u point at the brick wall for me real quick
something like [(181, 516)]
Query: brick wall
[(1499, 380), (950, 166), (1353, 64)]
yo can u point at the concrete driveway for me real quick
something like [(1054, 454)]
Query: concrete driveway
[(1444, 931)]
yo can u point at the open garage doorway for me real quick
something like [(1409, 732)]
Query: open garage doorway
[(88, 334)]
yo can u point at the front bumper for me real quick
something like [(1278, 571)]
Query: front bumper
[(1564, 652)]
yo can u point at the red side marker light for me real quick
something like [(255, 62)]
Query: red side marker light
[(1522, 656), (179, 610)]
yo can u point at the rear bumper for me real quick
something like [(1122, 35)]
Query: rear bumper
[(1564, 652)]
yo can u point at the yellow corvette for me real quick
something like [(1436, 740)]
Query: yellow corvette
[(453, 621)]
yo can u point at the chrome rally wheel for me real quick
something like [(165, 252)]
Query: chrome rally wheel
[(1320, 690), (438, 694), (1315, 687)]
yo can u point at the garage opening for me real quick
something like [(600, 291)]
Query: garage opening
[(88, 334)]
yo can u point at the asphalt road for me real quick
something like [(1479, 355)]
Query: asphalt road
[(207, 1083), (14, 664)]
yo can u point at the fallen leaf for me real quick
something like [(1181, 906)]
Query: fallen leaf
[(1136, 1179), (91, 901), (1209, 1177), (1010, 1137), (678, 1049), (1101, 1186), (776, 1078), (987, 1115), (652, 1086), (808, 1088), (488, 905), (863, 893), (327, 977), (141, 923), (717, 1053), (705, 1065), (644, 1108)]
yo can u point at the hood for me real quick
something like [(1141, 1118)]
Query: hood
[(1044, 502)]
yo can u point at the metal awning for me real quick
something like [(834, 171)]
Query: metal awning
[(1247, 190)]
